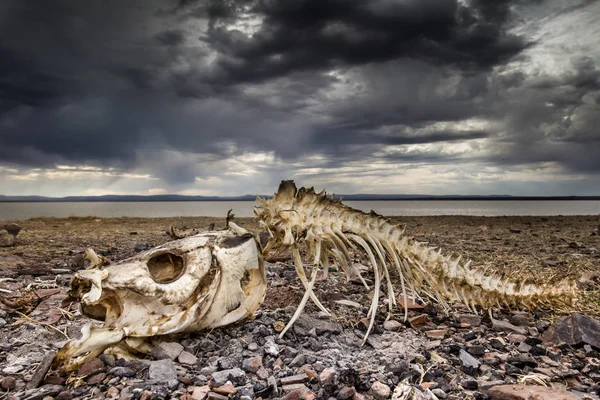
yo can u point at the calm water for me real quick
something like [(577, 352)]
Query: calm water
[(244, 208)]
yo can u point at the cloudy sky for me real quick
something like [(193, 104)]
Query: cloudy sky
[(367, 96)]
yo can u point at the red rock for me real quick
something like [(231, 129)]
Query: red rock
[(528, 392), (200, 392), (516, 338), (41, 293), (327, 377), (227, 389), (419, 320), (8, 383), (96, 378), (252, 364), (410, 304), (112, 393), (54, 379), (300, 378), (436, 333), (91, 366), (310, 373), (428, 385), (146, 395)]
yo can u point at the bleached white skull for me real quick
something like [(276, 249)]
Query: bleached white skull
[(204, 281)]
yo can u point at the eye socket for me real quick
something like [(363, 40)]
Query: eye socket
[(166, 267)]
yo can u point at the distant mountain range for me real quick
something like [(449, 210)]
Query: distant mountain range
[(248, 197)]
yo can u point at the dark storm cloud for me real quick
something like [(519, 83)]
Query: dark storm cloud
[(168, 87), (319, 34)]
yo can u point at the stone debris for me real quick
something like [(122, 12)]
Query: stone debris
[(430, 356), (529, 392), (574, 330), (167, 351)]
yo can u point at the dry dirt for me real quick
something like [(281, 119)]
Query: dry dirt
[(539, 248)]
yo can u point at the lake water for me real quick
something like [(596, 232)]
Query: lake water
[(244, 208)]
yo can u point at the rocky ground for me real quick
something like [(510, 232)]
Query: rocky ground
[(515, 355)]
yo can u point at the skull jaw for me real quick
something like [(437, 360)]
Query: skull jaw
[(131, 318)]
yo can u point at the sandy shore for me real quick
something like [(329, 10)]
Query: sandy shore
[(562, 245)]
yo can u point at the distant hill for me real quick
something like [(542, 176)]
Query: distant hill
[(248, 197)]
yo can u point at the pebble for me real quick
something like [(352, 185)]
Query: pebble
[(328, 376), (380, 391), (167, 351), (504, 326), (469, 363), (8, 383), (235, 375), (392, 325), (252, 364), (187, 358), (162, 371), (122, 372), (347, 392)]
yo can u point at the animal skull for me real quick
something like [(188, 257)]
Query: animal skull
[(204, 281)]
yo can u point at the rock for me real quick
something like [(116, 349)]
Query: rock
[(235, 375), (122, 372), (476, 350), (574, 330), (41, 392), (300, 378), (471, 319), (187, 358), (410, 304), (216, 396), (228, 362), (307, 323), (520, 319), (108, 359), (469, 363), (528, 392), (8, 383), (6, 239), (227, 389), (13, 229), (200, 392), (439, 393), (347, 392), (524, 348), (298, 361), (516, 338), (349, 303), (418, 320), (252, 364), (392, 325), (272, 383), (95, 378), (142, 247), (91, 366), (167, 351), (327, 377), (522, 361), (40, 372), (64, 395), (247, 390), (436, 334), (162, 371), (404, 391), (503, 326), (470, 385), (271, 348), (112, 393), (380, 391)]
